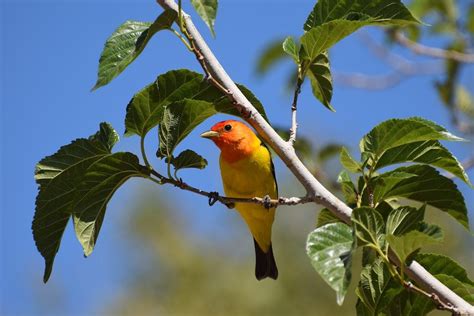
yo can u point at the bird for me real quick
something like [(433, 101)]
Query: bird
[(247, 171)]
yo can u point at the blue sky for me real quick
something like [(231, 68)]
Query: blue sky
[(49, 54)]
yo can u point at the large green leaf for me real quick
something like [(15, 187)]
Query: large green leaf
[(427, 186), (403, 246), (126, 44), (97, 187), (207, 10), (429, 152), (396, 132), (376, 289), (179, 120), (319, 74), (58, 176), (146, 108), (385, 11), (330, 250), (404, 219), (188, 159), (369, 226)]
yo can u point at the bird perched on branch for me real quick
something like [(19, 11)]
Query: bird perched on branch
[(247, 171)]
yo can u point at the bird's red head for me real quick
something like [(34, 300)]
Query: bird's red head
[(235, 139)]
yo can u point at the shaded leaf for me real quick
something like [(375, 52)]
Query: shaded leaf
[(368, 225), (146, 108), (207, 10), (429, 152), (348, 162), (126, 44), (330, 250), (397, 132), (328, 151), (348, 188), (319, 73), (403, 246), (376, 289), (96, 189), (392, 11), (404, 219), (326, 217), (463, 290), (188, 159), (179, 120), (58, 176), (428, 186)]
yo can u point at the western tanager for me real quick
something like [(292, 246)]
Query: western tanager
[(247, 171)]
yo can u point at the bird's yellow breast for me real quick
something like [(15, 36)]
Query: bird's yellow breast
[(249, 177)]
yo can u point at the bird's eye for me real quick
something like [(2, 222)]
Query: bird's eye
[(228, 127)]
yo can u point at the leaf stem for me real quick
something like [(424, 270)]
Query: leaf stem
[(185, 42), (142, 148)]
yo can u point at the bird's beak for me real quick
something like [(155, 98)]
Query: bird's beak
[(210, 134)]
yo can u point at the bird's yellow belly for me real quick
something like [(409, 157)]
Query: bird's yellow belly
[(247, 178)]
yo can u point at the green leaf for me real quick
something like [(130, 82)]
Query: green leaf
[(58, 176), (291, 48), (126, 44), (348, 162), (405, 245), (319, 74), (326, 217), (470, 19), (330, 250), (427, 186), (369, 226), (429, 152), (396, 132), (188, 159), (96, 189), (386, 182), (271, 55), (207, 10), (385, 11), (376, 289), (145, 110), (439, 264), (179, 120), (348, 188), (404, 219)]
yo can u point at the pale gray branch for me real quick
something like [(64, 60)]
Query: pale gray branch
[(420, 49), (315, 190)]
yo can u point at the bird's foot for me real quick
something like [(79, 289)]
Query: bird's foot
[(213, 198), (267, 202), (230, 205)]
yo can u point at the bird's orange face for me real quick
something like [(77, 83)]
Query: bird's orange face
[(235, 139)]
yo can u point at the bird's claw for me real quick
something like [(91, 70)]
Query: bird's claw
[(230, 205), (267, 202), (213, 198)]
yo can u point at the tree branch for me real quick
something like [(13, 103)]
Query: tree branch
[(315, 190), (294, 105), (229, 201), (420, 49)]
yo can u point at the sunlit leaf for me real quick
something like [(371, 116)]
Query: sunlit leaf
[(404, 219), (348, 162), (291, 48), (319, 73), (403, 246), (330, 250), (207, 10), (126, 44), (369, 226)]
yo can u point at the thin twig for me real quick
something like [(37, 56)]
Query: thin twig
[(435, 298), (420, 49), (229, 201), (294, 105)]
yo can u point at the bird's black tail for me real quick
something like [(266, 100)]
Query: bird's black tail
[(265, 265)]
